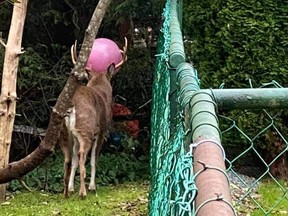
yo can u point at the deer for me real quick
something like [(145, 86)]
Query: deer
[(86, 125)]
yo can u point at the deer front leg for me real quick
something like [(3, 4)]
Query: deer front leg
[(84, 147), (92, 186), (67, 171), (99, 139), (74, 165)]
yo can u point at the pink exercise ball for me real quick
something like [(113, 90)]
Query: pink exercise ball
[(104, 52)]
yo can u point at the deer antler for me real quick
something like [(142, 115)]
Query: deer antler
[(74, 57), (74, 52), (124, 54)]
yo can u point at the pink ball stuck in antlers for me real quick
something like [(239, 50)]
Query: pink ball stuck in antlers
[(104, 53)]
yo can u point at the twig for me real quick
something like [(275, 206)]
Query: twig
[(2, 42), (140, 107), (25, 185)]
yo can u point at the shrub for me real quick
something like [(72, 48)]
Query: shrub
[(116, 164)]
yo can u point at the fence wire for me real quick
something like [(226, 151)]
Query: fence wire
[(256, 146)]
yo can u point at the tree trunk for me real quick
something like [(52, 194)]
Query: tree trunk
[(8, 89), (19, 168)]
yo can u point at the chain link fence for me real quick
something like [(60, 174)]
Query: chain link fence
[(256, 147)]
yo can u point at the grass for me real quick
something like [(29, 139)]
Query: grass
[(125, 199), (270, 195), (269, 199)]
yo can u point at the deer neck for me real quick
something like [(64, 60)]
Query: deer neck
[(98, 80)]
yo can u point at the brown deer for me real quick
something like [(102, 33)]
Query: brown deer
[(86, 124)]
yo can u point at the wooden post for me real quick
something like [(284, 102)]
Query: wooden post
[(9, 78)]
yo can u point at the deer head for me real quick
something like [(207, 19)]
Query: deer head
[(117, 65)]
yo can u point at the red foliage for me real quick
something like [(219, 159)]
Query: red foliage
[(130, 126)]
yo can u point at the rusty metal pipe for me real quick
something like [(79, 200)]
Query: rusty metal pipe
[(214, 196)]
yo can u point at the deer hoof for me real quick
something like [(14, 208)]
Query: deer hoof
[(66, 194), (82, 195), (92, 187), (71, 189)]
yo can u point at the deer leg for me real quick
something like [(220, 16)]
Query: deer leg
[(65, 144), (74, 165), (99, 145), (67, 170), (82, 154), (92, 186)]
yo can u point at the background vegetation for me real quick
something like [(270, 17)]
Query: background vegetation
[(242, 44), (236, 40)]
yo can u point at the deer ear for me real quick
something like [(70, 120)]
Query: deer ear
[(111, 70)]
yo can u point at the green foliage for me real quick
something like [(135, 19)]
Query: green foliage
[(121, 167), (40, 79), (133, 82), (48, 176), (5, 17), (57, 21), (113, 167), (133, 8), (233, 41), (141, 13)]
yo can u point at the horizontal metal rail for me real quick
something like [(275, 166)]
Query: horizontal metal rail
[(261, 98)]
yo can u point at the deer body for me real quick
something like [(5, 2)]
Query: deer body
[(85, 127), (84, 130)]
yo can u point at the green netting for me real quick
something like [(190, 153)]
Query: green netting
[(172, 186)]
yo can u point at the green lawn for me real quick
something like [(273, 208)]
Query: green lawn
[(124, 199), (270, 199), (271, 195)]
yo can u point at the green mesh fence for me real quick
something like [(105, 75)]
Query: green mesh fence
[(247, 135), (172, 186)]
